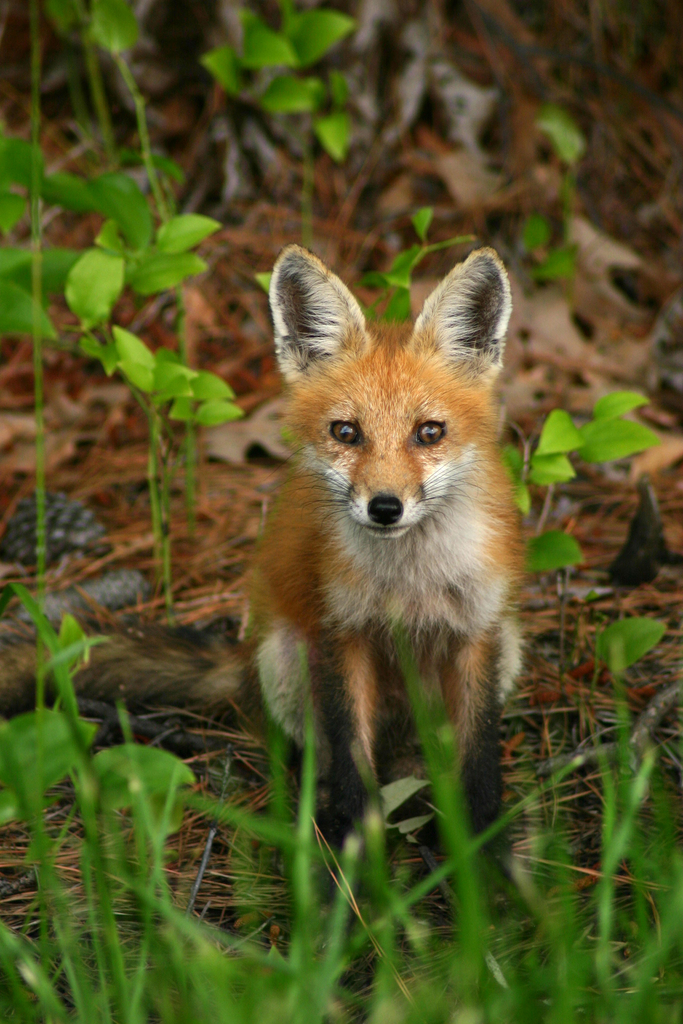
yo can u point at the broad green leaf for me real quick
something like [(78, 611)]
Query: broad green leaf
[(19, 740), (109, 237), (332, 132), (172, 379), (15, 265), (264, 280), (106, 354), (161, 270), (219, 410), (113, 25), (12, 208), (536, 232), (552, 550), (184, 231), (374, 279), (289, 95), (223, 63), (401, 269), (522, 497), (514, 464), (421, 221), (127, 771), (16, 312), (69, 191), (608, 439), (313, 33), (565, 135), (207, 386), (93, 285), (622, 643), (559, 264), (116, 195), (412, 824), (617, 403), (132, 349), (263, 48), (396, 793), (558, 434), (63, 14), (140, 376), (339, 88), (550, 469), (398, 307), (182, 409), (16, 162)]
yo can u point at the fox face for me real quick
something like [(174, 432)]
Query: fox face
[(396, 421)]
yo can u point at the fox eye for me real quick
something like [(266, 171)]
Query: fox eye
[(347, 433), (431, 432)]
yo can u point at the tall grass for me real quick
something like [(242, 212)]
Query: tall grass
[(516, 941)]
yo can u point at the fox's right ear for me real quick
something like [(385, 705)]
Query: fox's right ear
[(314, 313)]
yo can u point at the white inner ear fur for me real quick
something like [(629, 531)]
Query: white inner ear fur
[(313, 311), (467, 315)]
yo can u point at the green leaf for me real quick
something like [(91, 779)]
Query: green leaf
[(398, 307), (289, 95), (559, 434), (223, 63), (15, 265), (109, 237), (184, 231), (139, 376), (161, 270), (421, 221), (113, 25), (93, 285), (116, 195), (617, 403), (182, 409), (210, 414), (16, 312), (550, 469), (565, 135), (264, 280), (560, 264), (172, 379), (605, 440), (12, 208), (21, 737), (63, 14), (207, 386), (333, 134), (622, 643), (536, 232), (16, 162), (339, 88), (263, 48), (106, 354), (313, 33), (127, 771), (132, 349), (69, 191), (396, 793), (552, 550)]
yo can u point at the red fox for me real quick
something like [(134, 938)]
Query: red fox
[(397, 508)]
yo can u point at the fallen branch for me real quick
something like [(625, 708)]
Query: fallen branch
[(646, 723)]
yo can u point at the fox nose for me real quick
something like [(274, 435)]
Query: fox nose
[(385, 509)]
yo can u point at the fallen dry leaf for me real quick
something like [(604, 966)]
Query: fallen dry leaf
[(667, 453), (467, 177), (230, 442)]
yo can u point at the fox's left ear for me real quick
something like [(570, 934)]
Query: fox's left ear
[(467, 315), (314, 313)]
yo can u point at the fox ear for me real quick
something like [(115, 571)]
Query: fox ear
[(313, 311), (467, 315)]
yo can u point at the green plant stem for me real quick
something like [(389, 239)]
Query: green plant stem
[(37, 294), (99, 98), (190, 438), (143, 132), (308, 169)]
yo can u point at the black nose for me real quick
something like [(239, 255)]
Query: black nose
[(385, 509)]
